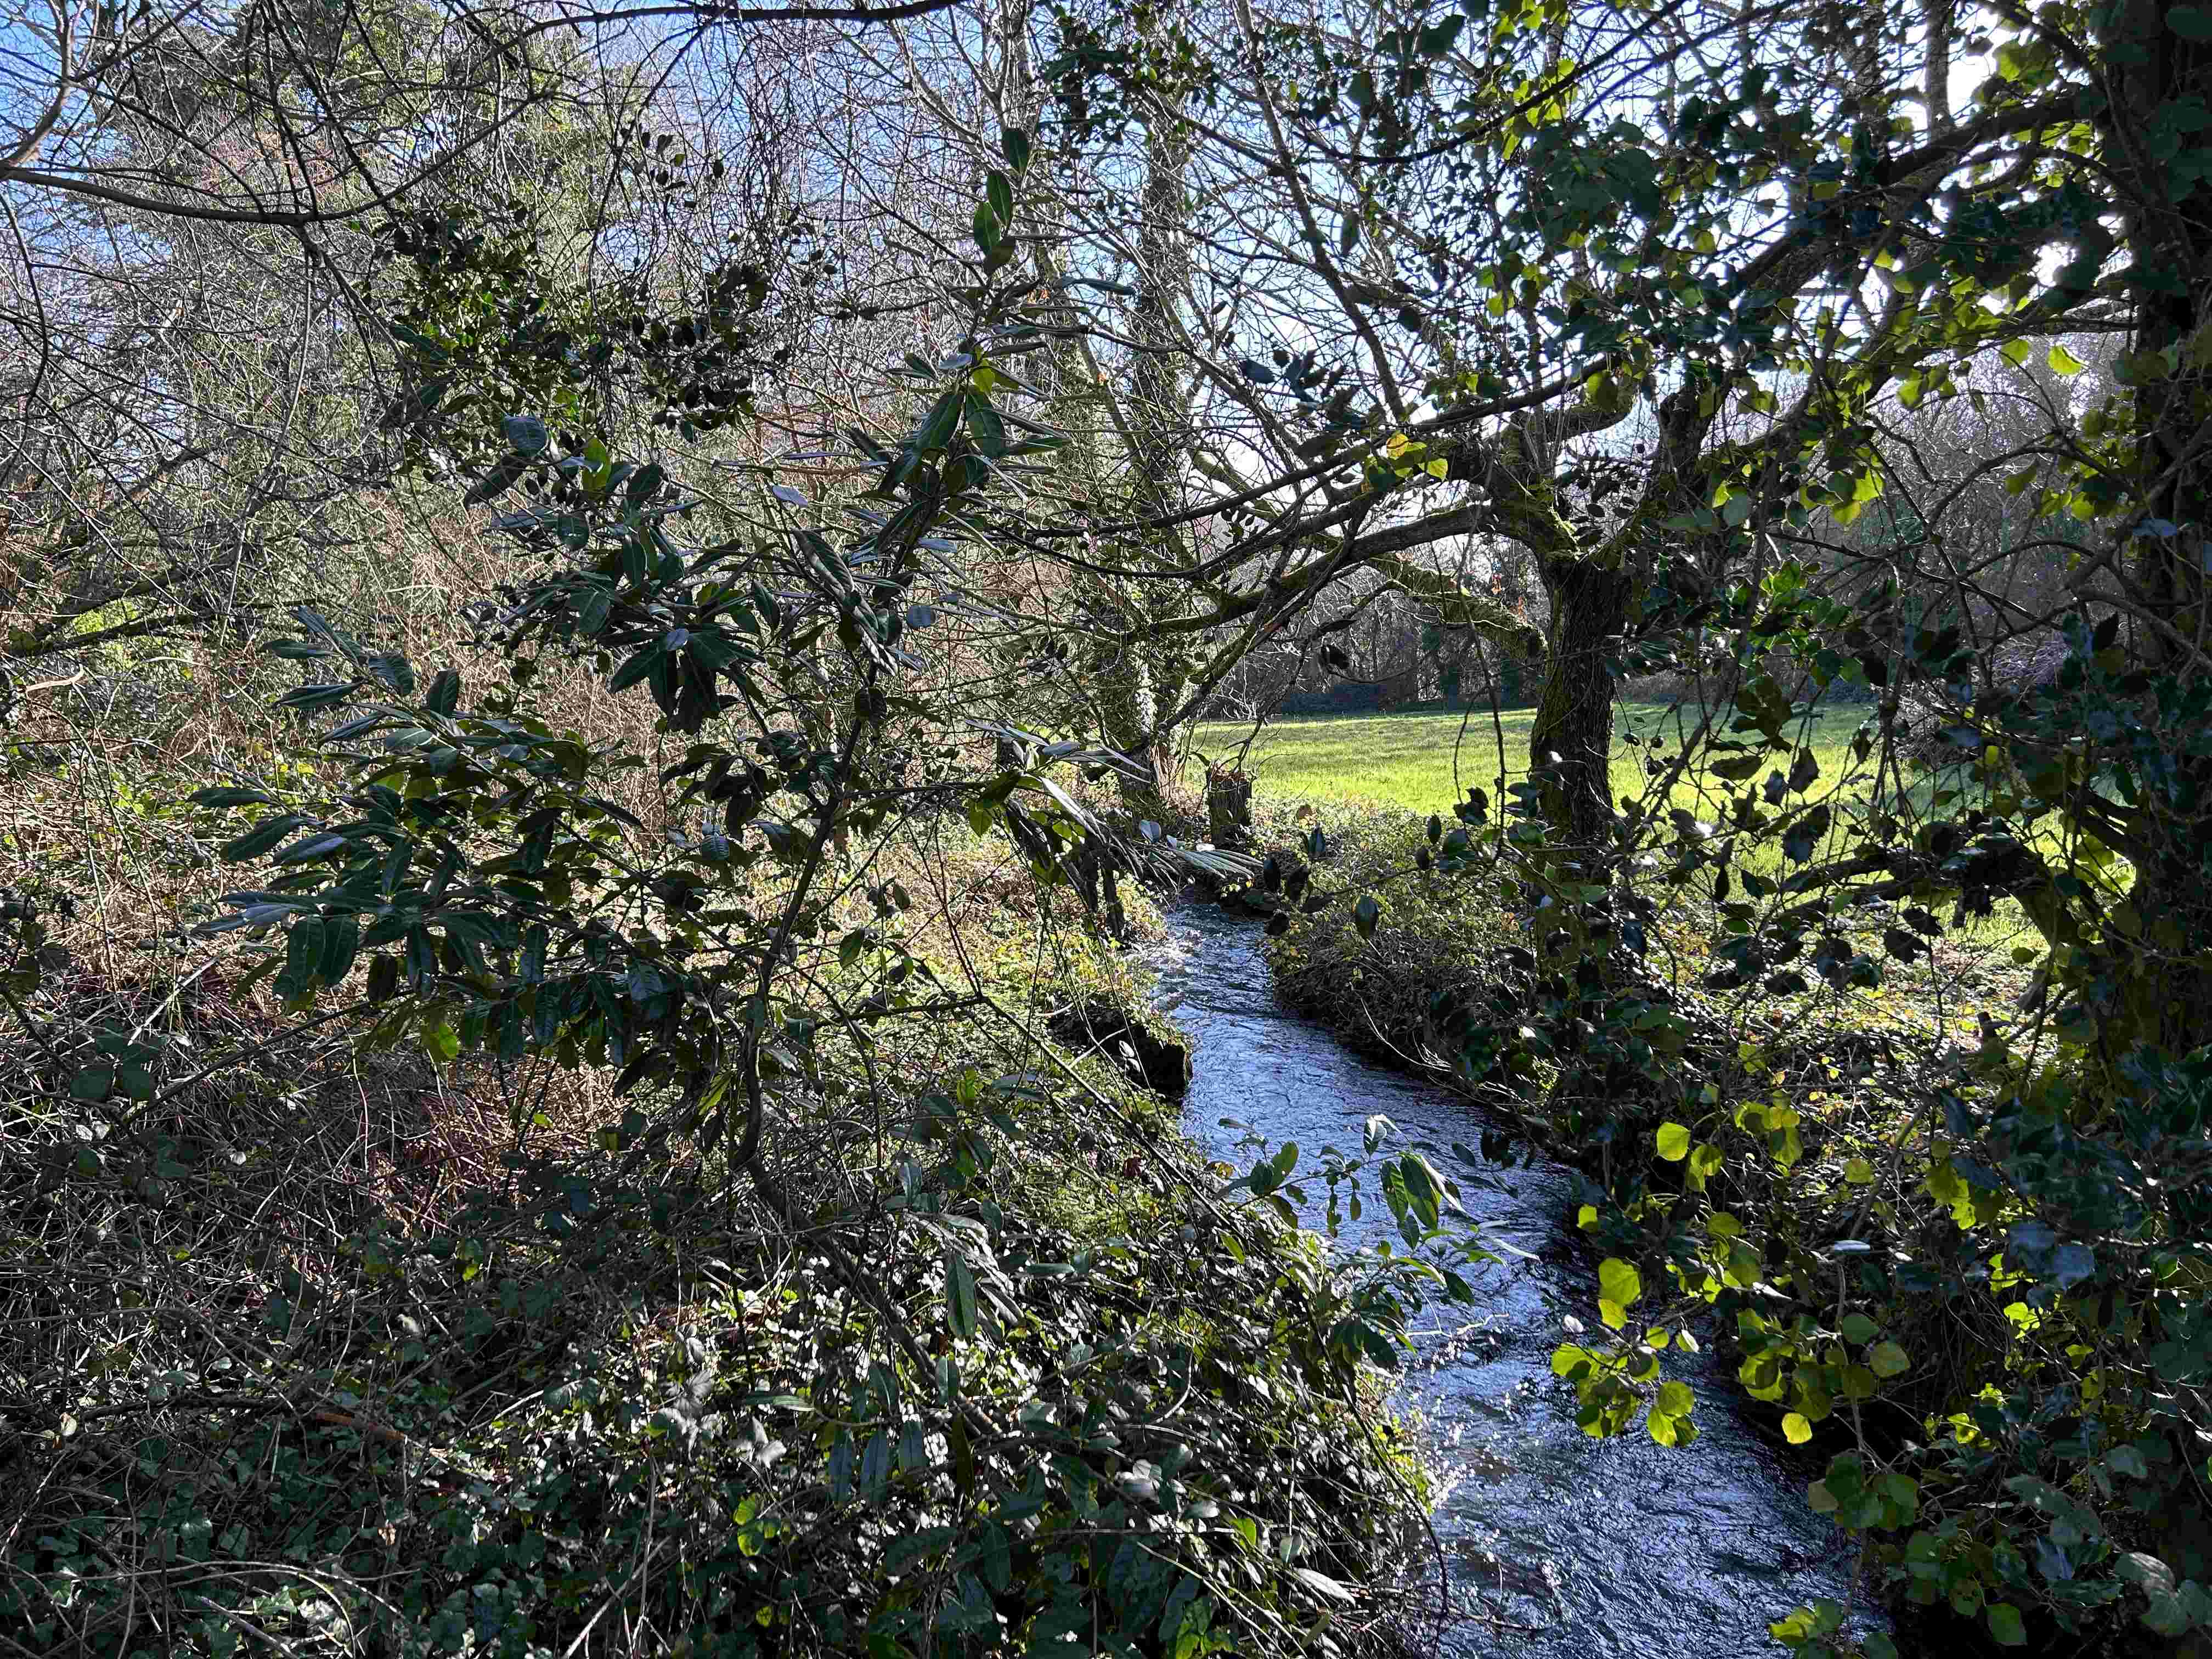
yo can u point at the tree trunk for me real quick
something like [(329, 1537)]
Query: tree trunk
[(1229, 807), (1570, 746), (2159, 69), (1158, 434)]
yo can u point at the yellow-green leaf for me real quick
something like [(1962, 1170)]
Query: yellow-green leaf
[(1795, 1429), (1674, 1141), (1618, 1282), (2063, 361)]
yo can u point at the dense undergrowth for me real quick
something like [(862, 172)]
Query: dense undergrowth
[(370, 1354), (338, 1321), (1986, 1307)]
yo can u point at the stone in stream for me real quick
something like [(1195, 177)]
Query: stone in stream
[(1152, 1053)]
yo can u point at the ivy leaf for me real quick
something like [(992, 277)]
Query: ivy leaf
[(1903, 945), (1805, 834), (526, 433), (2072, 1263)]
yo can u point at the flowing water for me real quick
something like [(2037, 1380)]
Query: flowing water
[(1554, 1544)]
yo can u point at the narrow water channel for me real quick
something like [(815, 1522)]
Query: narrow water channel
[(1555, 1544)]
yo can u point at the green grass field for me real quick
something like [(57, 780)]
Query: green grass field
[(1425, 762)]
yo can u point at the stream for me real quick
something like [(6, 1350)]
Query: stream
[(1554, 1543)]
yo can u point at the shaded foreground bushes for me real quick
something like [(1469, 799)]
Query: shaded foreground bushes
[(381, 1356)]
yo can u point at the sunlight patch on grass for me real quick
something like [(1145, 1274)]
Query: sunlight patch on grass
[(1425, 762)]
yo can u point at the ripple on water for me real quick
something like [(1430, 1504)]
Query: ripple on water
[(1554, 1544)]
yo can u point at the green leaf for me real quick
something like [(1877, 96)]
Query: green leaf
[(2063, 361), (592, 613), (1674, 1142), (1795, 1429), (341, 940), (938, 427), (441, 1043), (998, 190), (1675, 1400), (1887, 1360), (444, 693), (1367, 915), (526, 433), (2006, 1628), (959, 1295), (261, 838), (1321, 1582), (1014, 145), (985, 427), (635, 669), (1617, 1282), (1857, 1327), (497, 482)]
